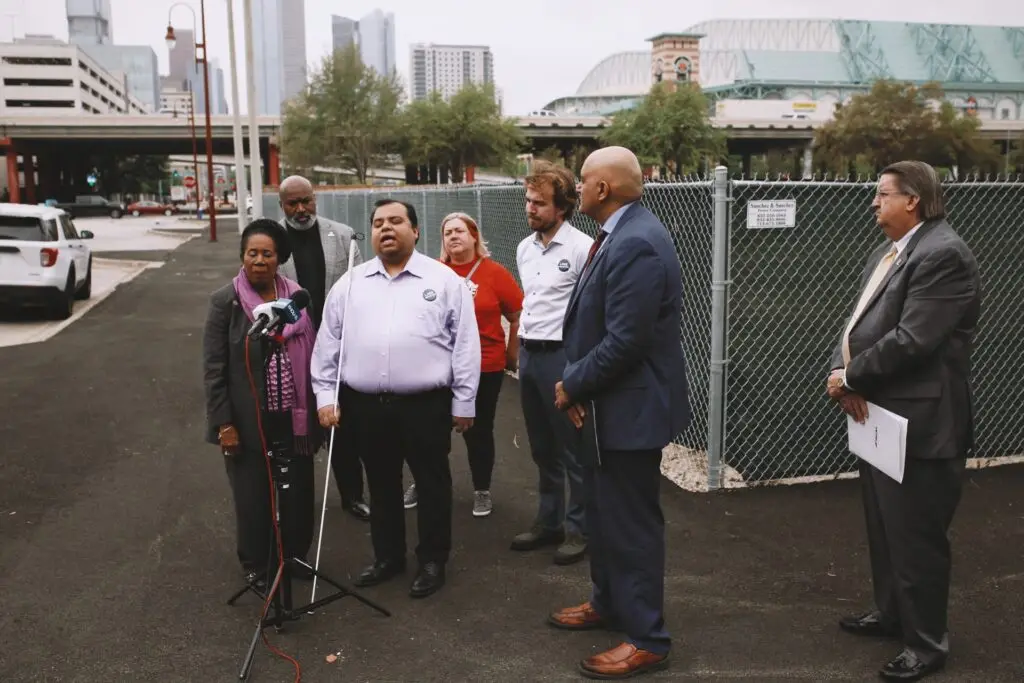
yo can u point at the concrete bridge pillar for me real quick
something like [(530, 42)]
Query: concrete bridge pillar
[(274, 166), (13, 180), (49, 176), (28, 165)]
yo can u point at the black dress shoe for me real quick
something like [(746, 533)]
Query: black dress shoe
[(429, 579), (379, 572), (358, 509), (870, 624), (909, 667)]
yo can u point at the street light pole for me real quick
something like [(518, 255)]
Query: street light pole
[(254, 131), (195, 146), (209, 129), (206, 92), (241, 182)]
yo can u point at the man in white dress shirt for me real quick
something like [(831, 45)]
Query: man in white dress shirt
[(409, 374), (550, 262)]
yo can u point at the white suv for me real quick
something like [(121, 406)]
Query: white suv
[(43, 259)]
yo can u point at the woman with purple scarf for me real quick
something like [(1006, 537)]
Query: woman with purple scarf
[(241, 380)]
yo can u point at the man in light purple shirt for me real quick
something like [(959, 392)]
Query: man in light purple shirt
[(409, 371)]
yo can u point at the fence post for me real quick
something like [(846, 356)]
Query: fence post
[(719, 321), (425, 221), (479, 209)]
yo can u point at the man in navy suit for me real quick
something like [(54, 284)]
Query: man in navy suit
[(625, 389)]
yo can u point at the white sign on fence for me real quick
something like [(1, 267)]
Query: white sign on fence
[(778, 213)]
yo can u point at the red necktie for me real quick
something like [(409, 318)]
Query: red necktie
[(594, 247)]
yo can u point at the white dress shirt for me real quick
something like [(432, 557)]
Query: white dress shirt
[(406, 334), (548, 275)]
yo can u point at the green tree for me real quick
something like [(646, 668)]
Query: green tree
[(466, 131), (671, 127), (346, 117), (423, 131), (895, 121), (134, 175)]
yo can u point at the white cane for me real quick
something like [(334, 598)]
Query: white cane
[(337, 387)]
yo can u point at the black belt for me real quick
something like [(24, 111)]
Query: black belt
[(388, 397), (540, 344)]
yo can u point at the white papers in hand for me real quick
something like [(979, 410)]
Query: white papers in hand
[(880, 441)]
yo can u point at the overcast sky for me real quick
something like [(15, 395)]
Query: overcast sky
[(542, 49)]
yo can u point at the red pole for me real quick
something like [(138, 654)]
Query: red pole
[(209, 128), (192, 125)]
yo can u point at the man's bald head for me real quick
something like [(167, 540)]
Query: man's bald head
[(298, 201), (610, 178), (295, 183)]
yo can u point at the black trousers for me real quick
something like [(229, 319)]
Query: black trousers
[(347, 469), (480, 437), (250, 491), (911, 562), (387, 430)]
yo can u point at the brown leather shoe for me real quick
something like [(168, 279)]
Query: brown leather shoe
[(624, 661), (579, 618)]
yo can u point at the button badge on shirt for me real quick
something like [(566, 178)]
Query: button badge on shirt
[(563, 265)]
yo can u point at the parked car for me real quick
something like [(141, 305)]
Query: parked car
[(92, 205), (147, 207), (43, 259)]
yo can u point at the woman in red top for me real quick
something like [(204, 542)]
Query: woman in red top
[(495, 294)]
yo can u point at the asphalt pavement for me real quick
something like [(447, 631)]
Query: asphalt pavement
[(117, 554)]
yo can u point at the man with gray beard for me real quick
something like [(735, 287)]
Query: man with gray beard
[(319, 258)]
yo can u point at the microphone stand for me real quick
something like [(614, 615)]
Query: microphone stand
[(278, 436)]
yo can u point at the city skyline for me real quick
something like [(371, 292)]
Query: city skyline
[(541, 51)]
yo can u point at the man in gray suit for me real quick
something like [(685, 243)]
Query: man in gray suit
[(907, 348), (319, 258)]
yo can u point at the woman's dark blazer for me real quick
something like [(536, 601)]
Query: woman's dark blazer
[(229, 397)]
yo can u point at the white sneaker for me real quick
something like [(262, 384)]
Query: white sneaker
[(482, 504), (410, 497)]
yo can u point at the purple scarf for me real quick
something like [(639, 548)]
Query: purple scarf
[(298, 345)]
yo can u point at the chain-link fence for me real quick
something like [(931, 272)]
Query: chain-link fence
[(765, 296)]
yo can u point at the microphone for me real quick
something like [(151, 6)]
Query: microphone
[(274, 315)]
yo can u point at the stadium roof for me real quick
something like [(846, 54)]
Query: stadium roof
[(830, 51)]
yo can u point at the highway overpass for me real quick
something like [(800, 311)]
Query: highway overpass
[(58, 147)]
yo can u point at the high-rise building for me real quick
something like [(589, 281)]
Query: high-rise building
[(89, 27), (182, 57), (344, 32), (447, 68), (139, 67), (374, 34), (89, 22), (279, 51), (185, 75)]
